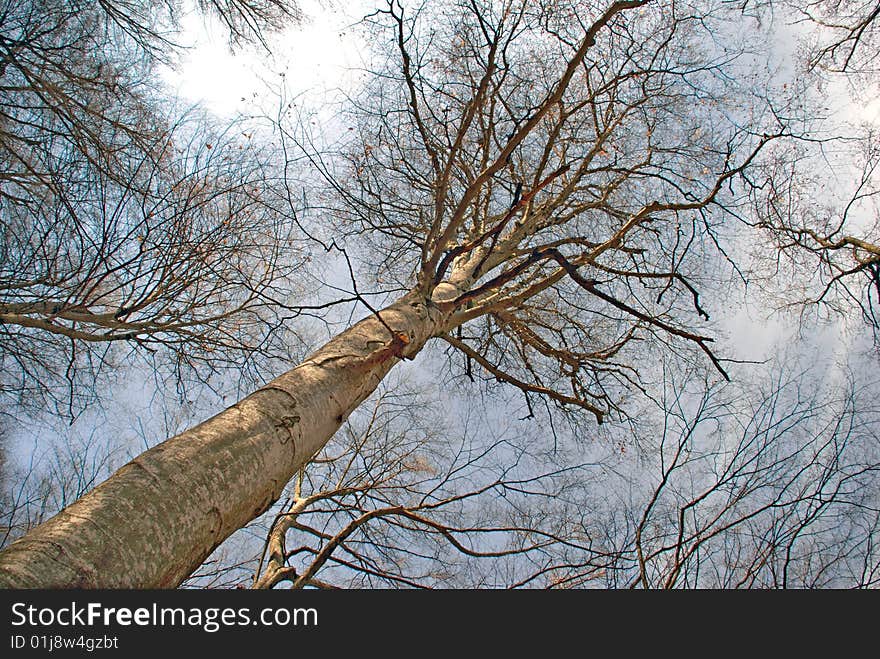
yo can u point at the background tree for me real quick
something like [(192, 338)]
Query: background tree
[(123, 220), (769, 485), (816, 197), (841, 34), (829, 244), (52, 477)]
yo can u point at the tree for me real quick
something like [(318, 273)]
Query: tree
[(50, 478), (123, 223), (844, 34), (831, 244), (540, 183), (769, 487), (816, 196)]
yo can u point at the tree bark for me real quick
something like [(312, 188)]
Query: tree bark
[(153, 522)]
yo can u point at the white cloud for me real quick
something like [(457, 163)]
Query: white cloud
[(313, 56)]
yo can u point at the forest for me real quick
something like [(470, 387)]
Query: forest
[(533, 294)]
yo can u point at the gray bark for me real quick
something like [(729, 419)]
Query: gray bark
[(153, 522)]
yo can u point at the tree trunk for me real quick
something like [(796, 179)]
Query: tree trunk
[(153, 522)]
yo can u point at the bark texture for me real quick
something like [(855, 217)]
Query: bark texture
[(153, 522)]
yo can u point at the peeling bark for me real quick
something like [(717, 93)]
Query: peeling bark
[(153, 522)]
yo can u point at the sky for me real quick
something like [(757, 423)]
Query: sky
[(319, 56), (314, 57)]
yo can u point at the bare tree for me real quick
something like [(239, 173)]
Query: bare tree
[(771, 488), (731, 485), (50, 478), (816, 197), (850, 35), (541, 182), (121, 222), (841, 34), (824, 224)]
